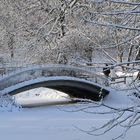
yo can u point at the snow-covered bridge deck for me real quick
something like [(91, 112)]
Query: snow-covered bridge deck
[(77, 82)]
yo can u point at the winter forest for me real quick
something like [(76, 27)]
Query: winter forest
[(69, 32), (102, 36)]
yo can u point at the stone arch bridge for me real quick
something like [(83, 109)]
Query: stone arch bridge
[(75, 81)]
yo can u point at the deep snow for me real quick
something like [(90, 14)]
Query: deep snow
[(52, 123), (57, 122)]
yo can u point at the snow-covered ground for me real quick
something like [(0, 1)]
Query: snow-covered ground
[(51, 123), (59, 122), (41, 96)]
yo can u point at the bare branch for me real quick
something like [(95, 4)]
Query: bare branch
[(112, 25)]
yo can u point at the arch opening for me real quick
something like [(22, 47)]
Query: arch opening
[(74, 87)]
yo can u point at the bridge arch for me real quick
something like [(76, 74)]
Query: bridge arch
[(77, 82), (74, 87)]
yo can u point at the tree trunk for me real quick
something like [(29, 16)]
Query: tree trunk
[(130, 53)]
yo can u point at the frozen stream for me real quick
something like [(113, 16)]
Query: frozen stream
[(57, 122), (41, 96)]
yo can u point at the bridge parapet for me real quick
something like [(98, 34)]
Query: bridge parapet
[(37, 71)]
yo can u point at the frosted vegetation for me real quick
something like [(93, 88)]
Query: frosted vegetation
[(9, 104), (81, 33)]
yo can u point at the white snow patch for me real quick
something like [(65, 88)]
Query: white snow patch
[(41, 96)]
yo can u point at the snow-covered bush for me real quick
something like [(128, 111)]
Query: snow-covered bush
[(8, 104)]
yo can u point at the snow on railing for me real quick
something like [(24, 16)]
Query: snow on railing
[(45, 67), (36, 71)]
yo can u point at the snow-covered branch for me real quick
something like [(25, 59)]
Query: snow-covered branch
[(125, 2), (111, 13), (112, 25)]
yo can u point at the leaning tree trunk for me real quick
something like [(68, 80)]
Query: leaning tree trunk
[(129, 54), (138, 58)]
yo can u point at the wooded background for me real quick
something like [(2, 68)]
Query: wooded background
[(69, 31)]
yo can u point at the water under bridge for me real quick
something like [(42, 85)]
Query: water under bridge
[(76, 82)]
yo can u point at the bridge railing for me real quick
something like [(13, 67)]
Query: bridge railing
[(35, 71)]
